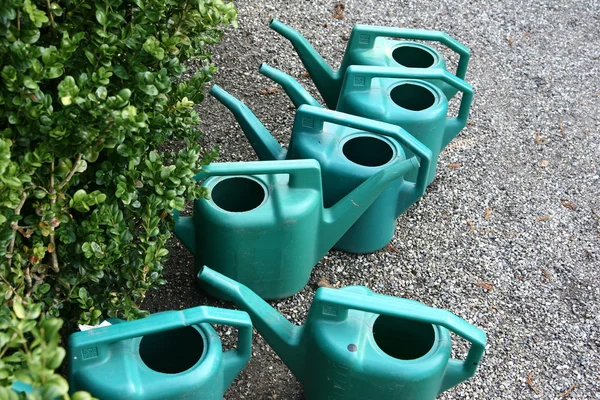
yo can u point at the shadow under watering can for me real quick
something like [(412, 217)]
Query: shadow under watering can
[(265, 225), (368, 45), (168, 355), (349, 149), (400, 96), (358, 345)]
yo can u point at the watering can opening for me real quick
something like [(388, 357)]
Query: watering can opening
[(368, 151), (238, 194), (403, 339), (172, 352), (413, 97), (411, 56)]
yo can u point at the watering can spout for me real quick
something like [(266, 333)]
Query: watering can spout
[(297, 94), (185, 231), (340, 217), (283, 336), (326, 79), (263, 143)]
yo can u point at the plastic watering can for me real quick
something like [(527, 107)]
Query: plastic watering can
[(265, 225), (368, 46), (400, 96), (349, 149), (168, 355), (359, 345)]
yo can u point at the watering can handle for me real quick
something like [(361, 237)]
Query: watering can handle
[(362, 76), (303, 173), (363, 36), (312, 118), (167, 321), (337, 302)]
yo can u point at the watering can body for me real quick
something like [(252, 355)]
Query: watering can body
[(404, 97), (356, 344), (169, 355), (348, 157), (368, 45), (269, 218), (349, 151)]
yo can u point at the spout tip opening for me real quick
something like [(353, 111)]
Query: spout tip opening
[(272, 21), (200, 271), (214, 89)]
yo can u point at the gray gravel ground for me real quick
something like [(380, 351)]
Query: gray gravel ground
[(529, 160)]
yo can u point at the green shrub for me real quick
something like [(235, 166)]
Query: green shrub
[(90, 93)]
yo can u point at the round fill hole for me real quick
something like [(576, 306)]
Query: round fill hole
[(412, 97), (238, 194), (368, 151), (413, 57), (173, 351), (403, 339)]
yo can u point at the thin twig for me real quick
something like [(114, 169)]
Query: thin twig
[(15, 226), (53, 254), (10, 287), (50, 13), (568, 392), (71, 173), (28, 281), (529, 382)]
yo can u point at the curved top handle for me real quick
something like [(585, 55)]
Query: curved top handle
[(363, 36), (167, 321), (358, 76), (339, 302), (303, 173), (310, 118)]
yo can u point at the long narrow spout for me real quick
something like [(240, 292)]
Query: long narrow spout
[(297, 94), (263, 143), (340, 217), (283, 336), (326, 80)]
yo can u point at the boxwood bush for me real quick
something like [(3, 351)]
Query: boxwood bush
[(90, 93)]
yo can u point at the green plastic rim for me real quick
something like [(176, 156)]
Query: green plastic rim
[(368, 151), (174, 351), (403, 339), (238, 194), (412, 56), (412, 97)]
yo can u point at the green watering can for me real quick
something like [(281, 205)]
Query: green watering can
[(265, 225), (368, 46), (349, 149), (359, 345), (169, 355), (400, 96)]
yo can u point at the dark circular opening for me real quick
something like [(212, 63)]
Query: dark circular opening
[(238, 194), (403, 339), (412, 97), (368, 151), (413, 57), (173, 351)]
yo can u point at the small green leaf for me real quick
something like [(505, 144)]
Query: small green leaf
[(44, 288), (30, 83), (101, 16), (121, 72), (18, 308)]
